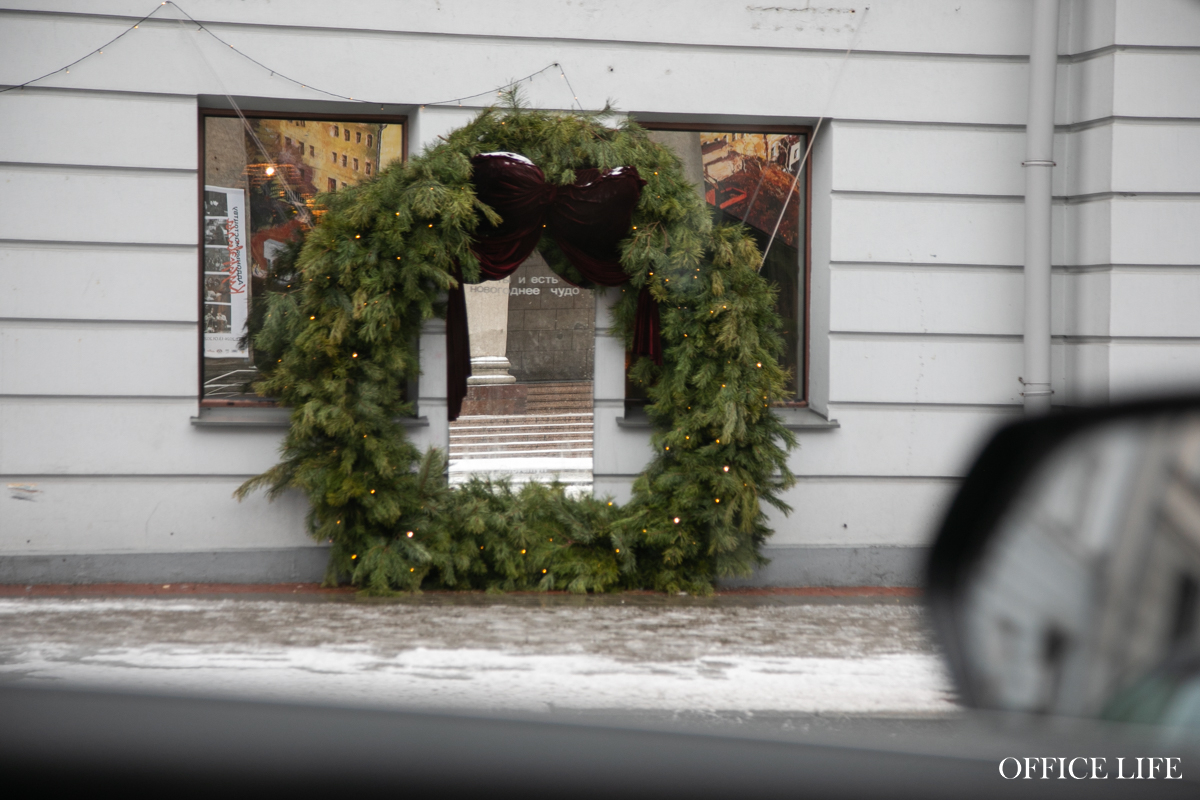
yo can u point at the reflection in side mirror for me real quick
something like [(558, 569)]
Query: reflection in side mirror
[(1066, 578)]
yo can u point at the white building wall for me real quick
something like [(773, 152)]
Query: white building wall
[(916, 241)]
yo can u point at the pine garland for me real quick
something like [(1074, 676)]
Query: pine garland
[(339, 341)]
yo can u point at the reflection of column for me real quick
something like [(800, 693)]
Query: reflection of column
[(487, 321)]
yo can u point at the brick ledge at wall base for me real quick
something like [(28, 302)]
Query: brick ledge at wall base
[(340, 345)]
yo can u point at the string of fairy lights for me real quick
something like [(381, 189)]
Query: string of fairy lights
[(201, 27)]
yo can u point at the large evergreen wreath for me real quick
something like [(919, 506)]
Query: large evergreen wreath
[(338, 344)]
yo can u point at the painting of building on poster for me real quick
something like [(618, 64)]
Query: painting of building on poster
[(226, 272), (751, 176)]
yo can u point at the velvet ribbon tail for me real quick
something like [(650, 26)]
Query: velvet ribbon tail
[(647, 325), (458, 348)]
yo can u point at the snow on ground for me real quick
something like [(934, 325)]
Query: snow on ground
[(492, 656)]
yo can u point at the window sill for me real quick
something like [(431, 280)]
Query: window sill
[(794, 418), (272, 417), (803, 418)]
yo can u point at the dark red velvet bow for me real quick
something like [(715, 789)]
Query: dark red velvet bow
[(587, 221)]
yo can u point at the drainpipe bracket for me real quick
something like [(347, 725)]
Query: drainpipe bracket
[(1039, 163), (1035, 389)]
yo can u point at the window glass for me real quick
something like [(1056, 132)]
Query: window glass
[(260, 179), (750, 177)]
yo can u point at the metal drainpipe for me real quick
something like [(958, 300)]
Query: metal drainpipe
[(1038, 163)]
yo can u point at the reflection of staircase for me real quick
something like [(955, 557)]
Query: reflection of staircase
[(551, 441), (559, 398)]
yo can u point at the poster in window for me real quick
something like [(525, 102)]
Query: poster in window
[(226, 289)]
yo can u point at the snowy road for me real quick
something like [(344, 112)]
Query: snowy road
[(527, 655)]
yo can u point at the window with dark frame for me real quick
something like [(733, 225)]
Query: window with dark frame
[(257, 195), (748, 175)]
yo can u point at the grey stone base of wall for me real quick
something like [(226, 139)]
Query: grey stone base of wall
[(790, 566), (838, 566), (275, 565)]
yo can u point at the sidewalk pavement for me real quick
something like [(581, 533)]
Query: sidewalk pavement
[(793, 656)]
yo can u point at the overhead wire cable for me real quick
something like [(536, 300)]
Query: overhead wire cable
[(274, 72)]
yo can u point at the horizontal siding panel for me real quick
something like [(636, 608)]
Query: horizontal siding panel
[(146, 515), (1156, 158), (1125, 369), (1142, 368), (1150, 230), (1156, 302), (980, 301), (96, 206), (1084, 90), (659, 78), (830, 511), (925, 231), (65, 437), (1155, 230), (1156, 84), (926, 300), (1080, 303), (887, 158), (1085, 373), (1087, 31), (936, 26), (1085, 161), (100, 129), (1122, 302), (98, 359), (47, 282), (1122, 157), (157, 57), (898, 441), (925, 370), (1081, 233), (1166, 23)]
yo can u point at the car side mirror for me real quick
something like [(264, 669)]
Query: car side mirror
[(1065, 578)]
